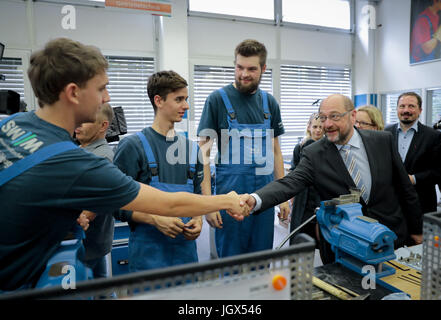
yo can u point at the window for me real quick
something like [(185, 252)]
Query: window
[(210, 78), (12, 70), (325, 13), (128, 88), (300, 88), (433, 106), (263, 9)]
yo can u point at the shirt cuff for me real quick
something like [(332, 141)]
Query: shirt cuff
[(258, 202)]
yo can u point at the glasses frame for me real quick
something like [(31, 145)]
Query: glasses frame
[(335, 116), (365, 124)]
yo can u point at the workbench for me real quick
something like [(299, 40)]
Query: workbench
[(407, 277)]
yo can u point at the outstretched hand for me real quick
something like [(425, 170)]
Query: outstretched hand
[(239, 209), (249, 200)]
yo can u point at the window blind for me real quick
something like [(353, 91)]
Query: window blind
[(300, 87), (127, 88), (12, 69)]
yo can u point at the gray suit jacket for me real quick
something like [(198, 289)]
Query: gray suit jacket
[(393, 200)]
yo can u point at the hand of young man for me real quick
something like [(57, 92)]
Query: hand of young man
[(193, 228), (170, 226), (284, 211), (214, 219), (239, 209), (83, 221)]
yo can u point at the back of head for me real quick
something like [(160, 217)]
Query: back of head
[(63, 61), (250, 48), (162, 83), (105, 113), (374, 114)]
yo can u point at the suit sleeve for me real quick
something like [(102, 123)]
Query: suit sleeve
[(432, 174), (287, 187), (407, 195)]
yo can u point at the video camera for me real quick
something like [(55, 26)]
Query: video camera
[(2, 49), (118, 126), (437, 126), (10, 102)]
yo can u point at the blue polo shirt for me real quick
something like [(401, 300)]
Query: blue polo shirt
[(40, 206)]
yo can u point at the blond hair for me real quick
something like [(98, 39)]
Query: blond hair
[(374, 114)]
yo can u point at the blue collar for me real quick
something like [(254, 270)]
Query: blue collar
[(355, 141), (414, 127)]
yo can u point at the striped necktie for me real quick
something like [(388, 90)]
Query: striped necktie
[(354, 171)]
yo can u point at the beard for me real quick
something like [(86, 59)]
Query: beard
[(407, 121), (339, 137), (248, 89)]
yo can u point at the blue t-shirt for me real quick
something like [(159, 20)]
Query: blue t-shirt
[(40, 206), (247, 107), (131, 159)]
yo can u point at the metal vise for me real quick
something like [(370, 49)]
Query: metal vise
[(355, 239)]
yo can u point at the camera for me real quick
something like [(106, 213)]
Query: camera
[(118, 126), (437, 126)]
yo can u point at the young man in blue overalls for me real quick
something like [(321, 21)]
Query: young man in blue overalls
[(160, 157), (46, 180), (246, 122)]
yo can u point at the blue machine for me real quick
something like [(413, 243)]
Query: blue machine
[(355, 239)]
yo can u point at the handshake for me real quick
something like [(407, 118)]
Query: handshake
[(241, 205)]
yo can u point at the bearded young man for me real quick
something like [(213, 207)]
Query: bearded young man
[(246, 123)]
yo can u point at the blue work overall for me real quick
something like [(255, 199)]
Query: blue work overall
[(149, 248), (239, 171)]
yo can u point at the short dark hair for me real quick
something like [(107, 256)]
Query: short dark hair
[(250, 48), (412, 94), (162, 83), (63, 61)]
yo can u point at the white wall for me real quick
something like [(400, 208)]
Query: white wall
[(215, 38), (29, 25), (392, 70)]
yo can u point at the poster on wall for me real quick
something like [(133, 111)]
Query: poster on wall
[(425, 31)]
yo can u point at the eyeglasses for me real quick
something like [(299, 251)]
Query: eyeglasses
[(332, 116), (364, 124)]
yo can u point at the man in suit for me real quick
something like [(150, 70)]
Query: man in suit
[(388, 195), (419, 148)]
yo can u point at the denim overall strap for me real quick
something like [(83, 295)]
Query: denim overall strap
[(151, 160), (193, 160), (9, 118), (35, 158), (227, 103), (266, 111)]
